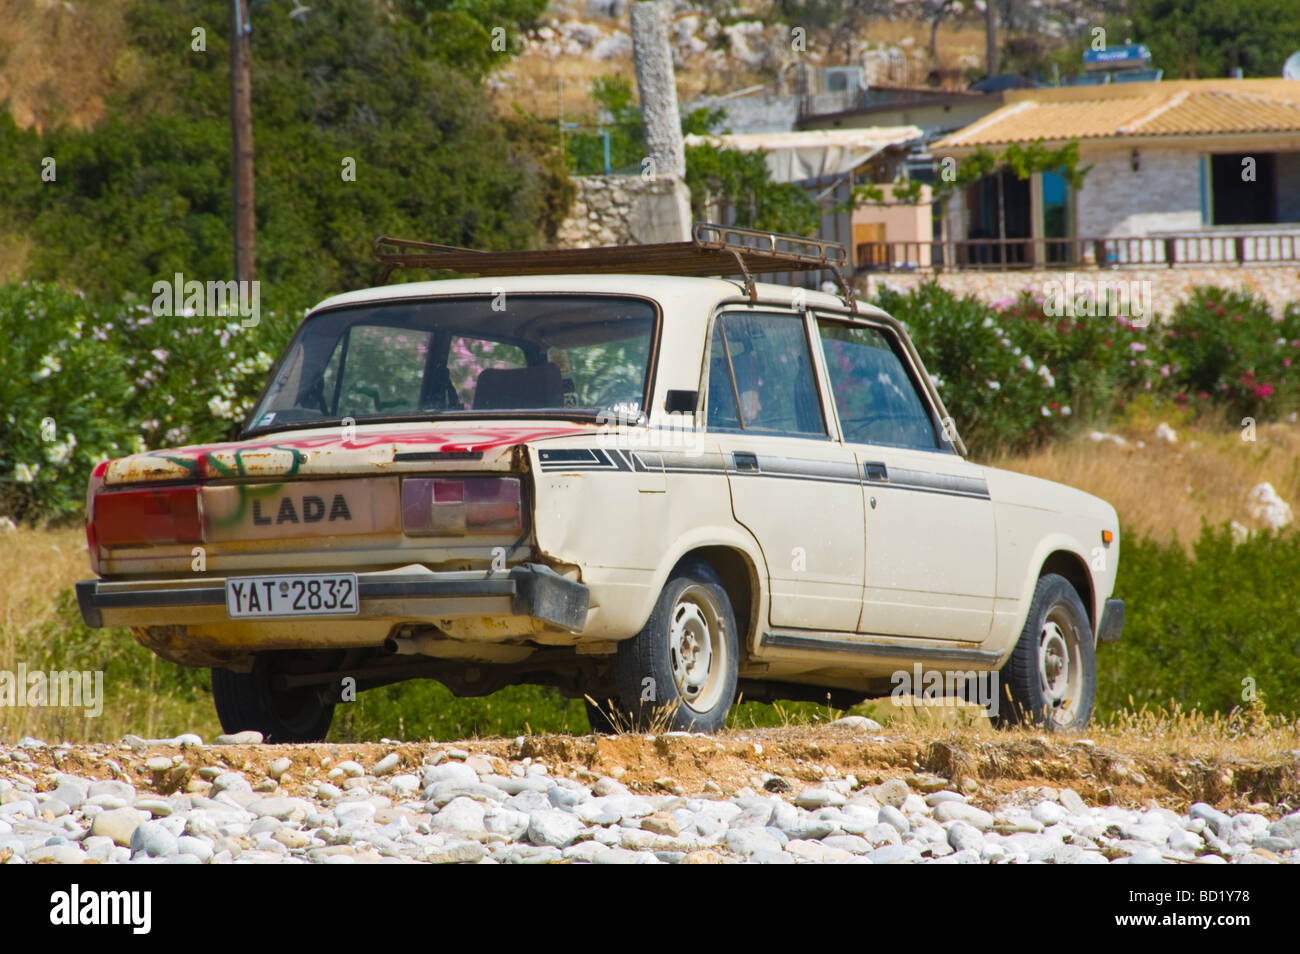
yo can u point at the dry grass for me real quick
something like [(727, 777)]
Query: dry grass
[(59, 60), (36, 565), (13, 257), (1166, 490), (1247, 733), (1147, 485)]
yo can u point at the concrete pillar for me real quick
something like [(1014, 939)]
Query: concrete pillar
[(653, 58)]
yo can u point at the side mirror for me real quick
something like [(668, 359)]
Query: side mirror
[(681, 402)]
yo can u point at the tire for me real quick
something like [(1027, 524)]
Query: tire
[(681, 669), (1050, 679), (248, 701)]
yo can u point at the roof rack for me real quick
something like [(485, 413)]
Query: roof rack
[(713, 250)]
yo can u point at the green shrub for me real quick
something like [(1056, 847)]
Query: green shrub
[(423, 709), (1202, 630), (146, 192)]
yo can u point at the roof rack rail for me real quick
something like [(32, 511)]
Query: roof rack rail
[(712, 250)]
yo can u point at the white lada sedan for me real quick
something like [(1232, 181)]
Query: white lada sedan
[(652, 491)]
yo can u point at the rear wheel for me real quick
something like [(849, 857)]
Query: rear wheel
[(1050, 680), (680, 671), (250, 700)]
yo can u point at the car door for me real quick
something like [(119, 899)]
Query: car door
[(931, 549), (792, 485)]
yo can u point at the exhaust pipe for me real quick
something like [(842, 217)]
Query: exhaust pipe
[(417, 645), (434, 644)]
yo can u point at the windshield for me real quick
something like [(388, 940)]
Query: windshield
[(495, 354)]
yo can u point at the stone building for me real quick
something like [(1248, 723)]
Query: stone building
[(1182, 172)]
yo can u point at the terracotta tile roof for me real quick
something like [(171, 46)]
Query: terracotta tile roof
[(1150, 109)]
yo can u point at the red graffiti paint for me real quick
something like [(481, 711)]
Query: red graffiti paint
[(452, 440), (303, 450)]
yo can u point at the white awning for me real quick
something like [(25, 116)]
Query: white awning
[(813, 153)]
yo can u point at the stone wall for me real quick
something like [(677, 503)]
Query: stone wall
[(1162, 196), (626, 210), (1279, 284)]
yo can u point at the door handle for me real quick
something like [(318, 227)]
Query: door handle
[(875, 470), (745, 461)]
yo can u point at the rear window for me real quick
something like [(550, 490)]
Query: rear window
[(489, 355)]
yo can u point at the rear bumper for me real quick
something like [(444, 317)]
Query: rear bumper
[(1112, 622), (529, 590)]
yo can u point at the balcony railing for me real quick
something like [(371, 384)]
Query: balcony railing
[(1186, 249)]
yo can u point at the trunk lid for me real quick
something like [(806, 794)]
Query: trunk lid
[(366, 450)]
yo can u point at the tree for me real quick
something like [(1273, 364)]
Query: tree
[(1209, 38), (366, 124)]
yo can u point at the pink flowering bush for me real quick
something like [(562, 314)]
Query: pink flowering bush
[(1230, 346), (1013, 375)]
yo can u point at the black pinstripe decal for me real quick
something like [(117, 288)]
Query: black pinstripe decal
[(595, 460)]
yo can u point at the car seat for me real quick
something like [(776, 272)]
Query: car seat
[(518, 388)]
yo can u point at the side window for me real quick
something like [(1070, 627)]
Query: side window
[(874, 395), (761, 377)]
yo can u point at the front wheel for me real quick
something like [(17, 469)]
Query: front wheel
[(1050, 680), (250, 700), (680, 671)]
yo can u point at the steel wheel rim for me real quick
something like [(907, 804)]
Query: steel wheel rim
[(1060, 667), (697, 648)]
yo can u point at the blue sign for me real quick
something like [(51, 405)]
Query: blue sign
[(1132, 54)]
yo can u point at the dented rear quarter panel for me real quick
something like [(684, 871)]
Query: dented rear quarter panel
[(625, 529)]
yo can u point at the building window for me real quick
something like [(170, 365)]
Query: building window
[(1244, 187)]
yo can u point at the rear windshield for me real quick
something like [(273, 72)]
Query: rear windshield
[(492, 355)]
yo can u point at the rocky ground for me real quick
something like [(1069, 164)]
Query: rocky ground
[(848, 792)]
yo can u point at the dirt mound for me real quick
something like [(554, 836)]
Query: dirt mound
[(985, 766)]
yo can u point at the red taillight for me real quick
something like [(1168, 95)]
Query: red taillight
[(136, 517), (437, 506)]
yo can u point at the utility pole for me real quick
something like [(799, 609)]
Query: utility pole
[(241, 127)]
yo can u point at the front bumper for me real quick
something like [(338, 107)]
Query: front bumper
[(411, 593)]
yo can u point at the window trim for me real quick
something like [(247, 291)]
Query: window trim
[(902, 354)]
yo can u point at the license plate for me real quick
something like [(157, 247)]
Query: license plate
[(321, 594)]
